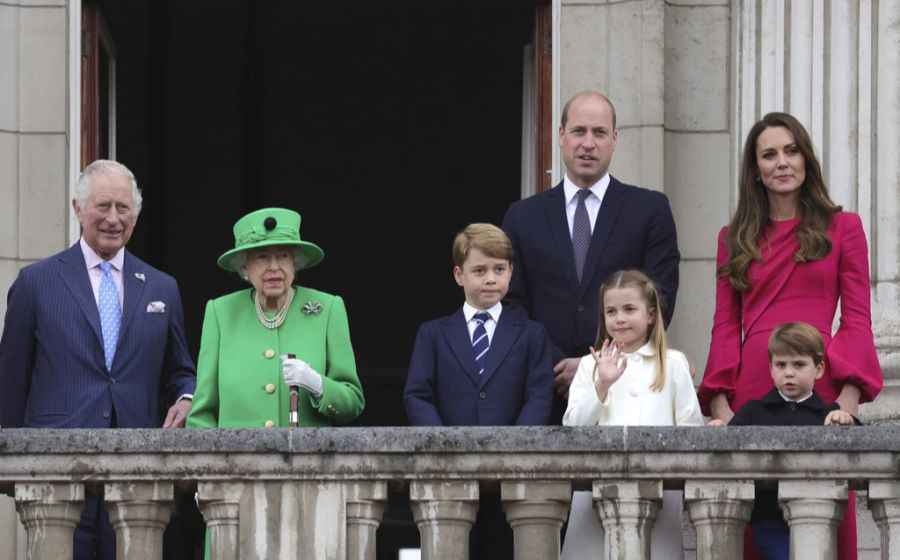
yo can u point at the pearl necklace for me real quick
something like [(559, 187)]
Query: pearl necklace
[(279, 318)]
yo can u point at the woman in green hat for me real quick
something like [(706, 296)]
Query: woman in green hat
[(243, 369)]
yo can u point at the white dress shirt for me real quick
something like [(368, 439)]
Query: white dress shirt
[(629, 401), (489, 326), (592, 203), (92, 260)]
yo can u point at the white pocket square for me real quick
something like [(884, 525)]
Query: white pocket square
[(156, 307)]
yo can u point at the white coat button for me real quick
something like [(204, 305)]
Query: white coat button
[(270, 388), (270, 353), (269, 423)]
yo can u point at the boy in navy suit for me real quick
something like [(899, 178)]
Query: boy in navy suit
[(486, 364), (796, 360)]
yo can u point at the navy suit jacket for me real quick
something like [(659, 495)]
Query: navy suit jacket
[(52, 369), (634, 230), (443, 387)]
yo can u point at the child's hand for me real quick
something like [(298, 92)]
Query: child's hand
[(839, 418), (611, 363), (717, 423)]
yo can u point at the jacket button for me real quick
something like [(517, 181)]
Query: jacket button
[(106, 414), (270, 388), (112, 380), (270, 353), (269, 424), (482, 395), (793, 406), (580, 309), (576, 343)]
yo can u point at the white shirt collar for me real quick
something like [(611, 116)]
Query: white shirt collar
[(645, 350), (598, 188), (788, 399), (494, 311), (92, 259)]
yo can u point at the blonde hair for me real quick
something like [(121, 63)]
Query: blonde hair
[(487, 238), (798, 338), (657, 333)]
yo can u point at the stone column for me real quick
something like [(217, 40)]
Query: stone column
[(627, 510), (220, 505), (366, 502), (886, 224), (50, 512), (444, 512), (139, 512), (536, 511), (719, 511), (884, 501), (813, 509)]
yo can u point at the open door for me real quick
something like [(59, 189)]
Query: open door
[(98, 87)]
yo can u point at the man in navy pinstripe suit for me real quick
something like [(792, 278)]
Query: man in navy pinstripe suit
[(56, 371)]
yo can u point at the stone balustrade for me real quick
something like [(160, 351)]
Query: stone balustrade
[(321, 493)]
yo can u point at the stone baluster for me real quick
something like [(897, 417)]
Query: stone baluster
[(813, 510), (884, 502), (49, 511), (719, 511), (627, 510), (536, 511), (444, 512), (366, 502), (139, 513), (220, 505)]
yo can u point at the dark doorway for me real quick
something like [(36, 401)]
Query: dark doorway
[(387, 127)]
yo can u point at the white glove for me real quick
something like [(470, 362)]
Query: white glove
[(299, 373)]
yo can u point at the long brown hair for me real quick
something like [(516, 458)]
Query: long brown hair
[(752, 215), (650, 295)]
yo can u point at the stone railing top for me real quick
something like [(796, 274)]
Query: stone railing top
[(457, 440), (551, 453)]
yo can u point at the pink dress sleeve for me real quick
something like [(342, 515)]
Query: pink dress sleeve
[(724, 359), (851, 354)]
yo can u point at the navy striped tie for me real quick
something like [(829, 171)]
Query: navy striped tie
[(480, 340)]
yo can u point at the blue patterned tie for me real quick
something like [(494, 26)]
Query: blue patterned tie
[(480, 340), (110, 313), (581, 233)]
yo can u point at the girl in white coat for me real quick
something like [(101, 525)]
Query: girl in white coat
[(634, 379)]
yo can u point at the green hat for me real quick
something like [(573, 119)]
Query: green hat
[(271, 226)]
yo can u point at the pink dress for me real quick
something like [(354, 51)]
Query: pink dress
[(784, 290)]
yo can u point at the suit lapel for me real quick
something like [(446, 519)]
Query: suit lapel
[(75, 278), (134, 288), (612, 203), (508, 330), (456, 333), (559, 230)]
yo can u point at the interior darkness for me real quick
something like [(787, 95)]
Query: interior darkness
[(349, 113)]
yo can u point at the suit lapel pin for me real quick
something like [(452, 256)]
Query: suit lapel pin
[(139, 276)]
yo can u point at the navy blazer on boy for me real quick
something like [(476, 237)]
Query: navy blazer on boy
[(52, 369), (443, 387)]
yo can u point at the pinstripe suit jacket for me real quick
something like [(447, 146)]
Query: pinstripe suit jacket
[(52, 370)]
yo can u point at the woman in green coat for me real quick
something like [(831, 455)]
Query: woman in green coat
[(243, 369)]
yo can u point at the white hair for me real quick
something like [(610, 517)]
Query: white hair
[(239, 260), (108, 168)]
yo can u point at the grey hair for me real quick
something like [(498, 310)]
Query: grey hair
[(108, 168), (239, 260)]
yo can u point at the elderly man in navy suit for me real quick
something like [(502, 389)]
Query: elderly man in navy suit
[(93, 335), (569, 239)]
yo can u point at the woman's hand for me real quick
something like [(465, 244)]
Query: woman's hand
[(611, 364), (720, 408), (849, 399), (298, 373)]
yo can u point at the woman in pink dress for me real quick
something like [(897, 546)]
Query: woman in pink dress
[(789, 254)]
